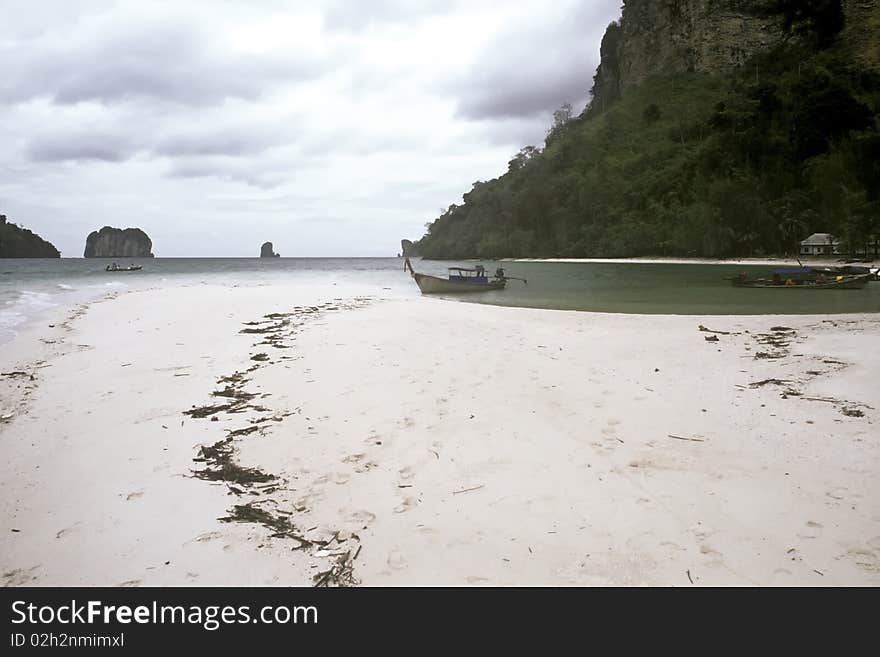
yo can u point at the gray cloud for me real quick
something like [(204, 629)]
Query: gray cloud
[(535, 67), (81, 146), (223, 140), (173, 62), (347, 15), (264, 175), (334, 127)]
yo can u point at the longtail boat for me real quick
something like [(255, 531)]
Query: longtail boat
[(804, 279), (115, 267), (461, 279)]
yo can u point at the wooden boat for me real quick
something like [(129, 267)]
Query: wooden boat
[(817, 282), (129, 268), (461, 279)]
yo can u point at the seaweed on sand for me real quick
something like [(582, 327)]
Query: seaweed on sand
[(234, 393), (232, 433), (220, 466), (341, 573), (279, 524), (212, 409)]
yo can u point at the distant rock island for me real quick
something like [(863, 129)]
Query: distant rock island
[(267, 252), (407, 248), (18, 242), (118, 243)]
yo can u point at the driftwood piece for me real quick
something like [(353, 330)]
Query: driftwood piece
[(468, 490), (708, 330), (694, 440)]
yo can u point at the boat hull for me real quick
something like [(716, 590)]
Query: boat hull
[(434, 285), (845, 283)]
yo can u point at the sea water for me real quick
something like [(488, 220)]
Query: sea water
[(31, 289)]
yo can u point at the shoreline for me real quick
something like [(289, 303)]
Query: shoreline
[(810, 261), (423, 441)]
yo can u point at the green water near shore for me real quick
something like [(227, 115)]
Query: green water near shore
[(651, 288), (31, 288)]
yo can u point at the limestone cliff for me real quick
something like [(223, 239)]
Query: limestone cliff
[(706, 36), (118, 243), (677, 36), (407, 248), (267, 252), (18, 242)]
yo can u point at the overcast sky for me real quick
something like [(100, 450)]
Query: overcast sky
[(327, 127)]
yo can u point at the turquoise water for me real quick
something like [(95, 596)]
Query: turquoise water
[(679, 289), (29, 288)]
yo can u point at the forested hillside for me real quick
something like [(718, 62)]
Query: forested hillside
[(745, 159), (18, 242)]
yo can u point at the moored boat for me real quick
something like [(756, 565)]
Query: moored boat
[(461, 279), (115, 267), (819, 281)]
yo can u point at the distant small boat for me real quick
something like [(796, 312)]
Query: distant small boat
[(129, 268)]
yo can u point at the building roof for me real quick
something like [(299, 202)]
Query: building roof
[(820, 239)]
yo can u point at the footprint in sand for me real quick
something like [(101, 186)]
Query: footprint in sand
[(130, 583), (780, 575), (396, 560), (604, 448), (838, 493), (406, 473), (340, 478), (66, 530), (865, 559), (19, 576), (361, 518), (208, 536), (407, 504), (354, 458), (701, 531), (134, 495), (813, 530)]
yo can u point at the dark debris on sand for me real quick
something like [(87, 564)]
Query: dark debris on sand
[(220, 465), (219, 459), (280, 525)]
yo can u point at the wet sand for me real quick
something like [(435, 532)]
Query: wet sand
[(283, 435)]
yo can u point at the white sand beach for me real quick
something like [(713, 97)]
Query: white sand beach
[(418, 441)]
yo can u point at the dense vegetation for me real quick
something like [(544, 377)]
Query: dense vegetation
[(745, 163), (18, 242)]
